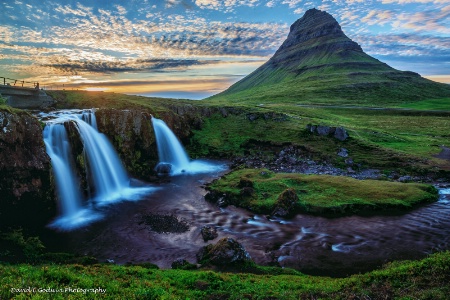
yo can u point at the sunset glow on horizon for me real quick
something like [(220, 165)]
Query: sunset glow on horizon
[(197, 48)]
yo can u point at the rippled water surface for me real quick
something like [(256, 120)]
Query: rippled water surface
[(311, 244)]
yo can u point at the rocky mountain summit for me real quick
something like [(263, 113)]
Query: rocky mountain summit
[(317, 60)]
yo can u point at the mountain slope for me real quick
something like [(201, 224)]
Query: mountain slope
[(318, 63)]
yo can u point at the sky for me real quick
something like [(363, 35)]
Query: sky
[(196, 48)]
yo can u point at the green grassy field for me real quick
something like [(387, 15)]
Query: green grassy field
[(433, 104), (320, 193), (386, 139), (425, 279)]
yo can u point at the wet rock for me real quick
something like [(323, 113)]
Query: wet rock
[(163, 168), (225, 252), (341, 134), (286, 203), (208, 233), (343, 152), (183, 265)]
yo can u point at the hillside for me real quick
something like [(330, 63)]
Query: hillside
[(319, 64)]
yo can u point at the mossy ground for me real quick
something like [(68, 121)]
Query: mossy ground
[(425, 279), (318, 193)]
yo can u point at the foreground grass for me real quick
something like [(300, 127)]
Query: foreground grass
[(320, 193), (425, 279)]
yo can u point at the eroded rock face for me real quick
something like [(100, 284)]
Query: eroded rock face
[(27, 194), (133, 137), (131, 134), (225, 252)]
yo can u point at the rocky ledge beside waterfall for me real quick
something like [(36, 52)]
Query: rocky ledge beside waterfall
[(26, 189)]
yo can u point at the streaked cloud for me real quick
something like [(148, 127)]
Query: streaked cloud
[(93, 42)]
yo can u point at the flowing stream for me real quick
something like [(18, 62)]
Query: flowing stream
[(311, 244)]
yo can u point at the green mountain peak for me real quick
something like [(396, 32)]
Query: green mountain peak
[(318, 63)]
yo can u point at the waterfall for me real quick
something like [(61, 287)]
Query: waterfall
[(170, 150), (172, 154), (58, 148), (106, 174)]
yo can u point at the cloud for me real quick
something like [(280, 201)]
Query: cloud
[(226, 5), (139, 65), (291, 3), (379, 17), (413, 1)]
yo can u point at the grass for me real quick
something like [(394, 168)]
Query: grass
[(388, 140), (430, 104), (85, 99), (320, 193), (425, 279), (404, 141)]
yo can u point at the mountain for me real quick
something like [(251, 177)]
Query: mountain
[(318, 63)]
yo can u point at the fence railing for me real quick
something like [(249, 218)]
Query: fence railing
[(18, 83)]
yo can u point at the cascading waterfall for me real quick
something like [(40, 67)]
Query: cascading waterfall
[(58, 148), (171, 152), (107, 175)]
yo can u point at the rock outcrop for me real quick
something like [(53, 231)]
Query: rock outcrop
[(131, 133), (26, 192), (338, 133)]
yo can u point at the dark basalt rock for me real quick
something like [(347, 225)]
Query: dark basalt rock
[(225, 252), (208, 233)]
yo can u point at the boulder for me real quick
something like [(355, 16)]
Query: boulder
[(286, 203), (343, 152), (325, 130), (337, 132), (208, 233), (163, 168), (225, 252), (341, 134)]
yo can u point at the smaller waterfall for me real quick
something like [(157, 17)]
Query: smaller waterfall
[(108, 179), (171, 152)]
